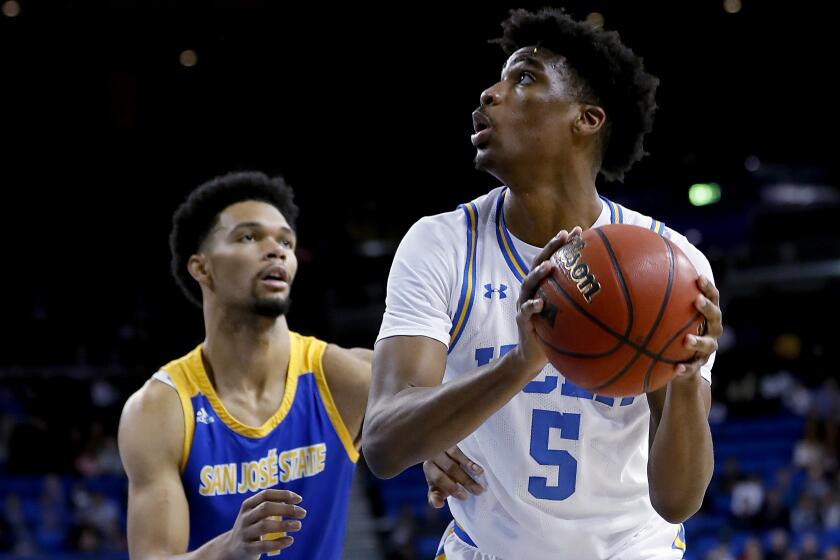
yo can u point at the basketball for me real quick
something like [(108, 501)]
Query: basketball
[(617, 309)]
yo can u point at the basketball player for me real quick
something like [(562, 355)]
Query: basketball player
[(230, 447), (567, 474)]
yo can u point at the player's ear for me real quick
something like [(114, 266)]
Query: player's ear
[(590, 120), (199, 268)]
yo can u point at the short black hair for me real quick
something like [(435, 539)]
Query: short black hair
[(197, 215), (613, 77)]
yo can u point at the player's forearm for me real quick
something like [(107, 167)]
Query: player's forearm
[(420, 422), (681, 456)]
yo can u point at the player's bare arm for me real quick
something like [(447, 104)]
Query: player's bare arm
[(151, 441), (348, 375), (365, 354), (681, 455), (411, 417)]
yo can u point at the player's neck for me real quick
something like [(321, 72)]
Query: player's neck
[(246, 353), (541, 204)]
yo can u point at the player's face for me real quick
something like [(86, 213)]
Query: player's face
[(251, 258), (525, 119)]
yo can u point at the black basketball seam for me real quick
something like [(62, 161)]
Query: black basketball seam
[(627, 299), (576, 354), (622, 339), (666, 298), (598, 322), (668, 343)]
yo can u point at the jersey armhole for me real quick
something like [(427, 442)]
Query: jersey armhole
[(336, 420), (186, 407)]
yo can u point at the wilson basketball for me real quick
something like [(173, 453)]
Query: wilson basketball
[(617, 309)]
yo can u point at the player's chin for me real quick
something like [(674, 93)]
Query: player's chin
[(483, 158), (272, 306)]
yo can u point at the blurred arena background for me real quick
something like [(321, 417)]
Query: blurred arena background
[(110, 112)]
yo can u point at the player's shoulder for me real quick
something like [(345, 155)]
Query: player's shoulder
[(152, 423), (340, 362), (157, 396), (453, 223)]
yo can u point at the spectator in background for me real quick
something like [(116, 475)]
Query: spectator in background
[(832, 553), (747, 499), (51, 533), (102, 513), (810, 549), (752, 550), (784, 485), (52, 497), (13, 513), (730, 476), (831, 511), (808, 451), (805, 516), (775, 513), (779, 544), (815, 485), (401, 539), (720, 552), (826, 409)]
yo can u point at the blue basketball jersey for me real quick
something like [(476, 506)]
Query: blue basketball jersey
[(304, 447)]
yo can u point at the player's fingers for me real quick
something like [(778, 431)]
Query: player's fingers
[(552, 246), (273, 545), (530, 308), (268, 526), (436, 498), (458, 473), (441, 482), (709, 289), (270, 495), (702, 345), (712, 313), (269, 509), (685, 368), (458, 456), (529, 286)]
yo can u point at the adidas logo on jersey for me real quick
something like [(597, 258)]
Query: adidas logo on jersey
[(203, 417)]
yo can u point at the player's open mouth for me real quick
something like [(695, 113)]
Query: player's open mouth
[(483, 128), (275, 276)]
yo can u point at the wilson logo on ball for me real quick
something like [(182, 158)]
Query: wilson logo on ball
[(586, 282)]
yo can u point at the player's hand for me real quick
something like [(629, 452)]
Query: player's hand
[(529, 350), (449, 474), (258, 516), (704, 345)]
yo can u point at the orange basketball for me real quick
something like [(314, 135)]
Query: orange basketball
[(617, 310)]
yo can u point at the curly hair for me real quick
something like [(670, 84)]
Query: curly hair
[(604, 72), (197, 215)]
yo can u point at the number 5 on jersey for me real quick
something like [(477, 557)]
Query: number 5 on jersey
[(569, 425)]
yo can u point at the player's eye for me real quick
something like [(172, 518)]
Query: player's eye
[(526, 78), (247, 237)]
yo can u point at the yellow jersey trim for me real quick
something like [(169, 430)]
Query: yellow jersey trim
[(464, 306), (314, 358), (178, 373), (207, 389)]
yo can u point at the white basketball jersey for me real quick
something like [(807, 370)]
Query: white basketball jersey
[(565, 470)]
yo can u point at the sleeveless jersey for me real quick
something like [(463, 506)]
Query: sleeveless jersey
[(565, 470), (304, 447)]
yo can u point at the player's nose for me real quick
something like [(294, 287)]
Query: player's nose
[(489, 96)]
